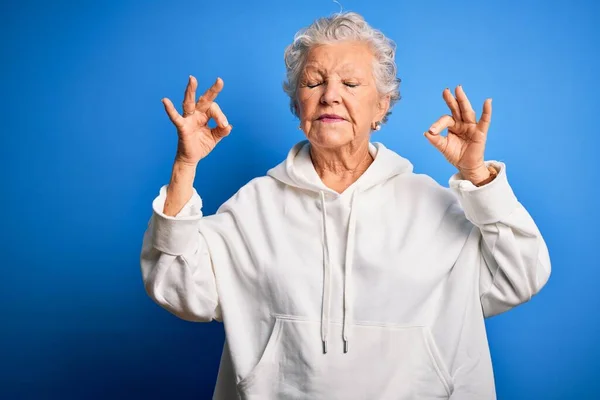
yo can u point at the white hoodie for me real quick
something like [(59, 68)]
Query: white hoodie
[(376, 293)]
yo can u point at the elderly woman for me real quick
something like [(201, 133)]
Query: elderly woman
[(341, 274)]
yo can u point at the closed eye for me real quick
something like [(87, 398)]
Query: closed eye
[(348, 84)]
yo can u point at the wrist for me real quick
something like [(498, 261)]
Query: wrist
[(184, 165), (481, 176), (183, 174), (180, 188), (477, 176)]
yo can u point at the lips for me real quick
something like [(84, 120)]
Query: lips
[(330, 118)]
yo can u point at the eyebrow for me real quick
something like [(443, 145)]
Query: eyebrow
[(344, 68)]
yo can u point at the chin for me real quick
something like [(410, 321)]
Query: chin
[(330, 137)]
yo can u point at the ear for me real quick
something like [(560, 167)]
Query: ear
[(382, 107)]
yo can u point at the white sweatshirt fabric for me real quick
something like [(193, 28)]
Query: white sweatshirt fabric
[(376, 293)]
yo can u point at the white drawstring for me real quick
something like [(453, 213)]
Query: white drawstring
[(326, 276), (348, 272), (347, 313)]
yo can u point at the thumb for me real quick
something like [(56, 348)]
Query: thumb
[(438, 141)]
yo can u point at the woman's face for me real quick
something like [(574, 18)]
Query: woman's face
[(337, 99)]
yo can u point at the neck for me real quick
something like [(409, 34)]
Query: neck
[(339, 168)]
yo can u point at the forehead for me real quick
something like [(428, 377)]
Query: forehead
[(341, 57)]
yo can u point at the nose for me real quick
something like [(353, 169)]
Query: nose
[(331, 94)]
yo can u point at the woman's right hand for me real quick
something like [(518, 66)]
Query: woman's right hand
[(196, 138)]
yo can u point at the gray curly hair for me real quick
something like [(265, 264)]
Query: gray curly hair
[(339, 27)]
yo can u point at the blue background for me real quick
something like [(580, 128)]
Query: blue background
[(85, 146)]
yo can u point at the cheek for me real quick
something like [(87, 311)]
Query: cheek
[(307, 103), (358, 108), (362, 108)]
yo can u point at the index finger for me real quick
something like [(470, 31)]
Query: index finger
[(445, 121), (209, 96)]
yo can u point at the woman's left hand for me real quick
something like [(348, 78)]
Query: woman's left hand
[(464, 145)]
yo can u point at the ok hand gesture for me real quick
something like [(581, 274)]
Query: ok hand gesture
[(196, 138), (464, 145)]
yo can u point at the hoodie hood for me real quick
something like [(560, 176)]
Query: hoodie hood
[(298, 171)]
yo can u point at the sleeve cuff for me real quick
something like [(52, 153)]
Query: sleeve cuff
[(489, 203), (174, 235)]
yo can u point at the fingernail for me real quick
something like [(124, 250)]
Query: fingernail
[(432, 130)]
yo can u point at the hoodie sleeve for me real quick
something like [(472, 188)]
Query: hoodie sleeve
[(176, 266), (516, 263)]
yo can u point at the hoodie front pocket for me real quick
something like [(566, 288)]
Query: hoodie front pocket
[(384, 362)]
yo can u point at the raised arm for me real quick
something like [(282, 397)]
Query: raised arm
[(177, 269), (515, 262)]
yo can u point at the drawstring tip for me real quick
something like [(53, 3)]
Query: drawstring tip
[(345, 346), (324, 346)]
